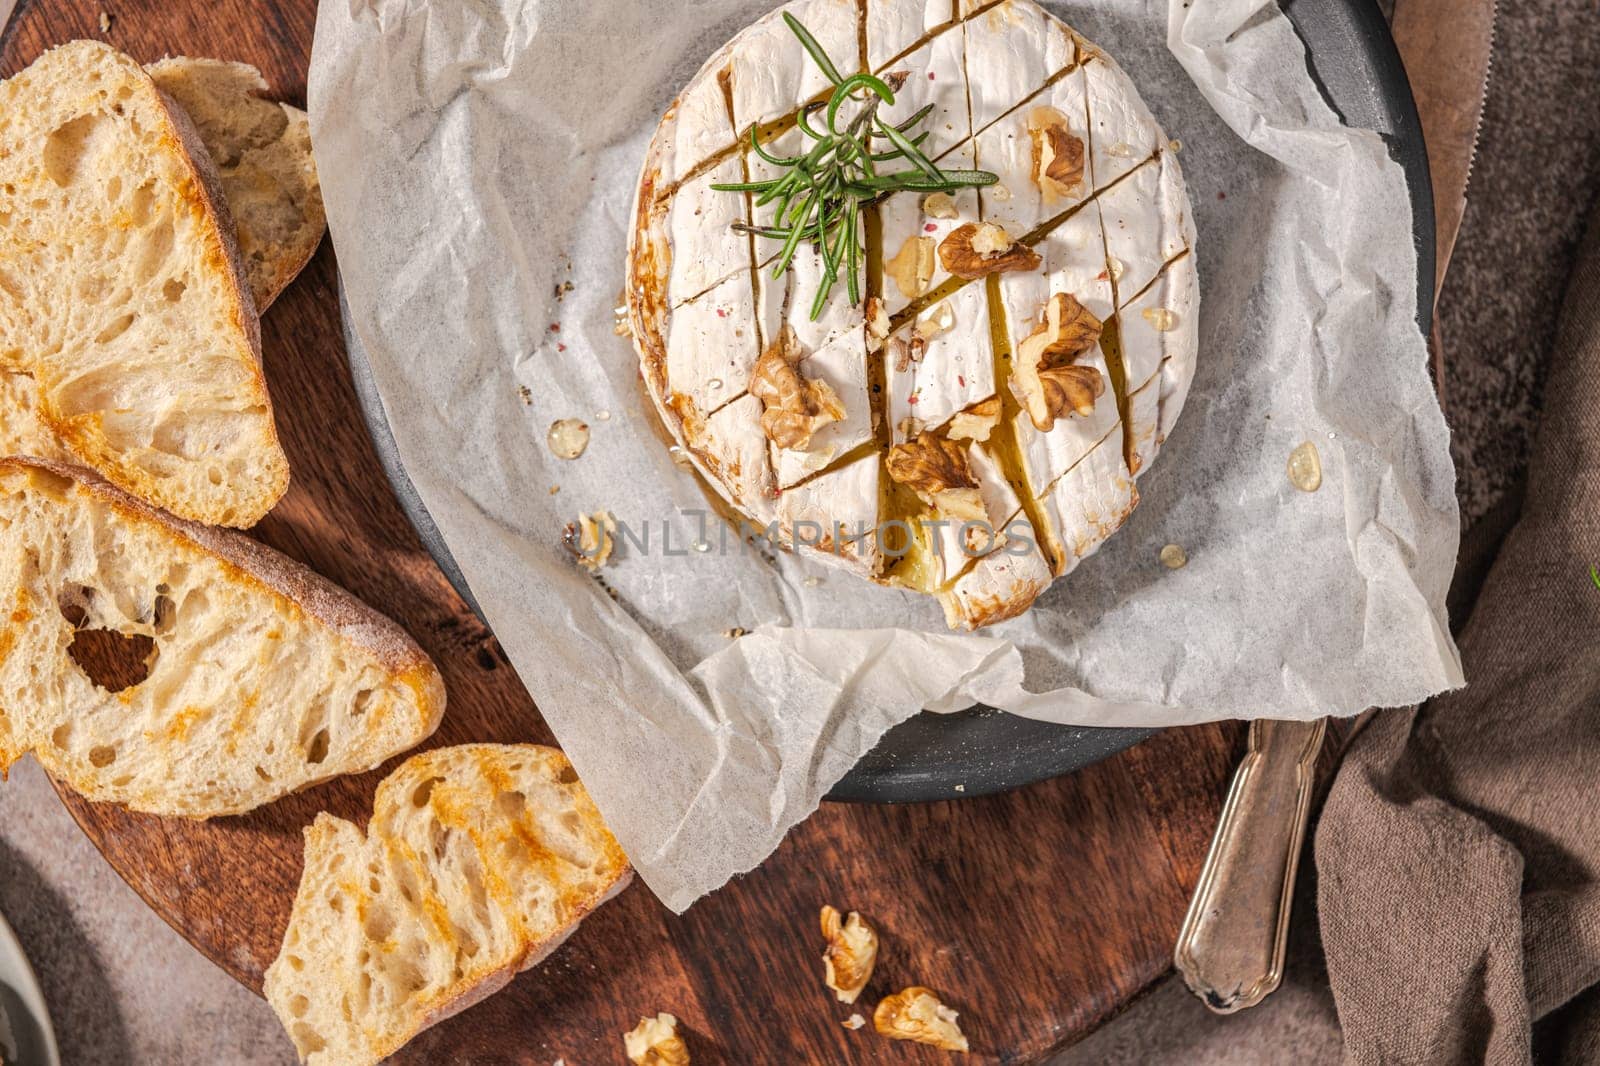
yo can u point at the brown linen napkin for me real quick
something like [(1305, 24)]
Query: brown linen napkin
[(1458, 854)]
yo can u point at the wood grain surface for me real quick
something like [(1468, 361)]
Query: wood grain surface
[(1037, 914)]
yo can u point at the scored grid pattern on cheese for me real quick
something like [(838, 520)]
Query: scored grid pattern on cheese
[(1132, 187)]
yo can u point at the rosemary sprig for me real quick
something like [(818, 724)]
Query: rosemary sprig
[(821, 192)]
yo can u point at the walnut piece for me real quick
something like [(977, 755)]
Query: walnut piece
[(912, 266), (940, 318), (978, 249), (907, 350), (1042, 374), (590, 539), (877, 324), (1057, 154), (794, 407), (852, 950), (936, 469), (917, 1014), (940, 205), (976, 422), (655, 1042)]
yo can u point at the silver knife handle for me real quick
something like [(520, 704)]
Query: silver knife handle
[(1230, 950)]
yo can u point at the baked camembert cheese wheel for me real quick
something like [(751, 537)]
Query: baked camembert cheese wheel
[(912, 284)]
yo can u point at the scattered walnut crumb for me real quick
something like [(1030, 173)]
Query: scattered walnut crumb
[(851, 953), (940, 318), (554, 489), (855, 1021), (590, 539), (105, 21), (976, 422), (877, 324), (655, 1042), (736, 632), (916, 1013)]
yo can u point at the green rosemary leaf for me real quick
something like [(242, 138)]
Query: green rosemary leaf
[(777, 161), (820, 194), (910, 151), (818, 54)]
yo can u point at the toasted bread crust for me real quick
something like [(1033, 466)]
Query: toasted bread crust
[(199, 192), (350, 876), (296, 593)]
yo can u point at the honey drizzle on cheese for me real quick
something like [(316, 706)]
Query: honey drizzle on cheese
[(1003, 443)]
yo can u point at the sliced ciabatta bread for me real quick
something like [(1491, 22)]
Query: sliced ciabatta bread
[(478, 862), (263, 678), (122, 293), (262, 152)]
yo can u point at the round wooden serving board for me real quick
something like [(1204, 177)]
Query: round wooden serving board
[(1037, 914)]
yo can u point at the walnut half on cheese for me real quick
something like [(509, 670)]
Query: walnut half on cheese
[(1009, 355)]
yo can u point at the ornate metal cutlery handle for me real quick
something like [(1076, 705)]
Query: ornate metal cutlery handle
[(1230, 950)]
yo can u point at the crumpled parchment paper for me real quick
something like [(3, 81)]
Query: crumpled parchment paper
[(478, 157)]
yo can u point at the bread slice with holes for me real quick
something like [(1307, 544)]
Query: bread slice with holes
[(262, 678), (262, 152), (478, 862), (122, 292)]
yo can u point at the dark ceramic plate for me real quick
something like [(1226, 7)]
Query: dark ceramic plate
[(983, 750)]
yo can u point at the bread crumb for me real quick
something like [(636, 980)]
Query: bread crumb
[(105, 21), (855, 1021)]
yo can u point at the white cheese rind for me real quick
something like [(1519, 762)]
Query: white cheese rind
[(1160, 363), (771, 73), (701, 126), (788, 299), (1000, 504), (956, 369), (1006, 148), (706, 249), (937, 75), (1090, 502), (847, 498), (733, 450), (1012, 50), (1073, 257), (712, 345), (1004, 582), (1123, 132), (895, 25), (1146, 222), (904, 217)]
